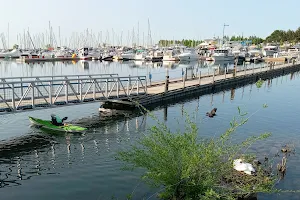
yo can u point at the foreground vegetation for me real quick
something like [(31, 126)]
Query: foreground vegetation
[(186, 166)]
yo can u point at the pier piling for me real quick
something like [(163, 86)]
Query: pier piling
[(167, 81)]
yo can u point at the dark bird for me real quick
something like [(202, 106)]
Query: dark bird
[(212, 113)]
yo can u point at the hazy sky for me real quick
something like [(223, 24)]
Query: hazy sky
[(189, 19)]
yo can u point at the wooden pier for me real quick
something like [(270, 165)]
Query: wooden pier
[(162, 92), (40, 92)]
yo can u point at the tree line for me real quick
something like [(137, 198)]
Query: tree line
[(278, 36), (188, 43), (284, 36), (253, 39)]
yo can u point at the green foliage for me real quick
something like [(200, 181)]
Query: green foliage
[(189, 167), (188, 43), (255, 40), (283, 36), (259, 83)]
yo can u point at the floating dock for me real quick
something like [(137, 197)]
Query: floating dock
[(212, 83), (40, 92)]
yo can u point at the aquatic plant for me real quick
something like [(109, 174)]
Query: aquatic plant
[(186, 166)]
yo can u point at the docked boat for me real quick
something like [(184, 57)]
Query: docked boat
[(128, 55), (140, 55), (154, 56), (15, 53), (269, 51), (254, 52), (84, 54), (189, 55), (223, 55), (171, 55)]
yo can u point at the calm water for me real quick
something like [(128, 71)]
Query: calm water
[(83, 166)]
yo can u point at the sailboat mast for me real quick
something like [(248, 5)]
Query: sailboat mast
[(138, 35), (59, 36), (8, 36)]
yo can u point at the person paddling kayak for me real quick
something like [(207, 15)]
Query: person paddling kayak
[(57, 121)]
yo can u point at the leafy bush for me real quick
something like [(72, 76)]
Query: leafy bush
[(189, 167)]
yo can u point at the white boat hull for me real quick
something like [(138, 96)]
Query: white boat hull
[(223, 58), (170, 58), (127, 56), (140, 57), (188, 57)]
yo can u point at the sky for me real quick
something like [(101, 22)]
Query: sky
[(169, 19)]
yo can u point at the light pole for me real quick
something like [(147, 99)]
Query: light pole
[(224, 31)]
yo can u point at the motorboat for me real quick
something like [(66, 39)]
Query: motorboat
[(140, 55), (171, 55), (189, 55), (269, 51), (223, 55), (15, 53), (154, 55), (128, 55)]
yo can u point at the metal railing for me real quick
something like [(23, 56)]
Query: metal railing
[(18, 93)]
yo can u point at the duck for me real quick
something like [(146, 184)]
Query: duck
[(212, 113), (241, 166)]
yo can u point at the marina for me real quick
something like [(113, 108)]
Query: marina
[(160, 100)]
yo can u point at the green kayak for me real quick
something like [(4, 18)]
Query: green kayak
[(48, 125)]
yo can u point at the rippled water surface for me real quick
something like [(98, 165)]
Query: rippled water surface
[(37, 165)]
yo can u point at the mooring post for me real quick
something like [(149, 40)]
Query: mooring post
[(183, 83), (234, 71), (150, 77), (186, 69), (244, 68), (129, 80), (167, 81), (219, 69), (225, 72), (253, 68), (199, 77), (214, 75)]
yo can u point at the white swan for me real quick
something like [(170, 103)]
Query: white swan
[(241, 166)]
